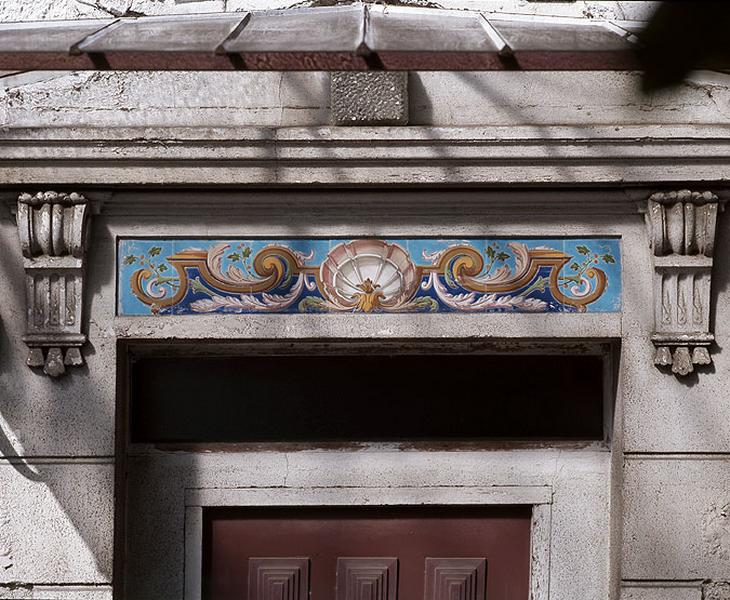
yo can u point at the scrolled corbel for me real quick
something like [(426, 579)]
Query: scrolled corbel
[(682, 238), (53, 232)]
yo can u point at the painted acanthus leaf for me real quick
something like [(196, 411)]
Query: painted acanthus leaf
[(521, 254), (473, 302), (233, 275), (251, 303), (583, 289)]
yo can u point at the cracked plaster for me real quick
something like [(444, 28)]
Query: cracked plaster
[(716, 530), (301, 99), (14, 10), (6, 546)]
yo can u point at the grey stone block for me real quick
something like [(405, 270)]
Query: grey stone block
[(716, 590), (369, 98), (56, 527), (677, 518)]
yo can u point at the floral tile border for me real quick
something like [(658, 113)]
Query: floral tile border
[(405, 275)]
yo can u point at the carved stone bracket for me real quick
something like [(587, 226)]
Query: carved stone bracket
[(53, 233), (682, 234)]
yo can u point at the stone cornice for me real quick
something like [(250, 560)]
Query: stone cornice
[(377, 156)]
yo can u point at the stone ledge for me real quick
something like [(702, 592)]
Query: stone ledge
[(43, 591), (661, 590), (496, 328), (391, 156)]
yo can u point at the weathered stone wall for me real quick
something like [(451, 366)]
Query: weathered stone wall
[(16, 10), (676, 528), (541, 99), (666, 487)]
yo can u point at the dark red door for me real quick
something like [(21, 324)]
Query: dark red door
[(355, 553)]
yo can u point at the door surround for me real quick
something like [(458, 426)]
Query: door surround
[(539, 497)]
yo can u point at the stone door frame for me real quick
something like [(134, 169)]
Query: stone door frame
[(539, 497)]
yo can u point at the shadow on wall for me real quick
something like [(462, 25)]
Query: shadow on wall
[(57, 436), (720, 315), (485, 86), (682, 37), (56, 453)]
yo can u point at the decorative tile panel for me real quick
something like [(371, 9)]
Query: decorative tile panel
[(278, 578), (456, 578), (192, 277), (367, 578)]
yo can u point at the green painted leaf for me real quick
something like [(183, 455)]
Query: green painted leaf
[(246, 252), (286, 281), (163, 268), (449, 276), (199, 288), (426, 304), (575, 266), (234, 256), (608, 258), (502, 256), (310, 303), (539, 284), (154, 251), (490, 252), (130, 260), (583, 249)]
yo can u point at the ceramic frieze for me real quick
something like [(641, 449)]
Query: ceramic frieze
[(193, 277)]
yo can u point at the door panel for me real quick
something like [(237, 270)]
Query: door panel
[(367, 578), (370, 553), (455, 578), (278, 578)]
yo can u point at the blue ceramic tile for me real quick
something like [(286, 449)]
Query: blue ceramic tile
[(204, 276)]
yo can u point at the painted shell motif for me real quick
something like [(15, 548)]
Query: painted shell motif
[(364, 275)]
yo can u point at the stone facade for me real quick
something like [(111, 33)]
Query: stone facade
[(642, 517)]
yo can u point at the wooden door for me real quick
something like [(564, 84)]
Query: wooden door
[(355, 553)]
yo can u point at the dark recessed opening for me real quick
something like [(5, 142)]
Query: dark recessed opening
[(336, 398)]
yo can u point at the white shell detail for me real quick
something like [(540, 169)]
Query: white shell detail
[(368, 274)]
